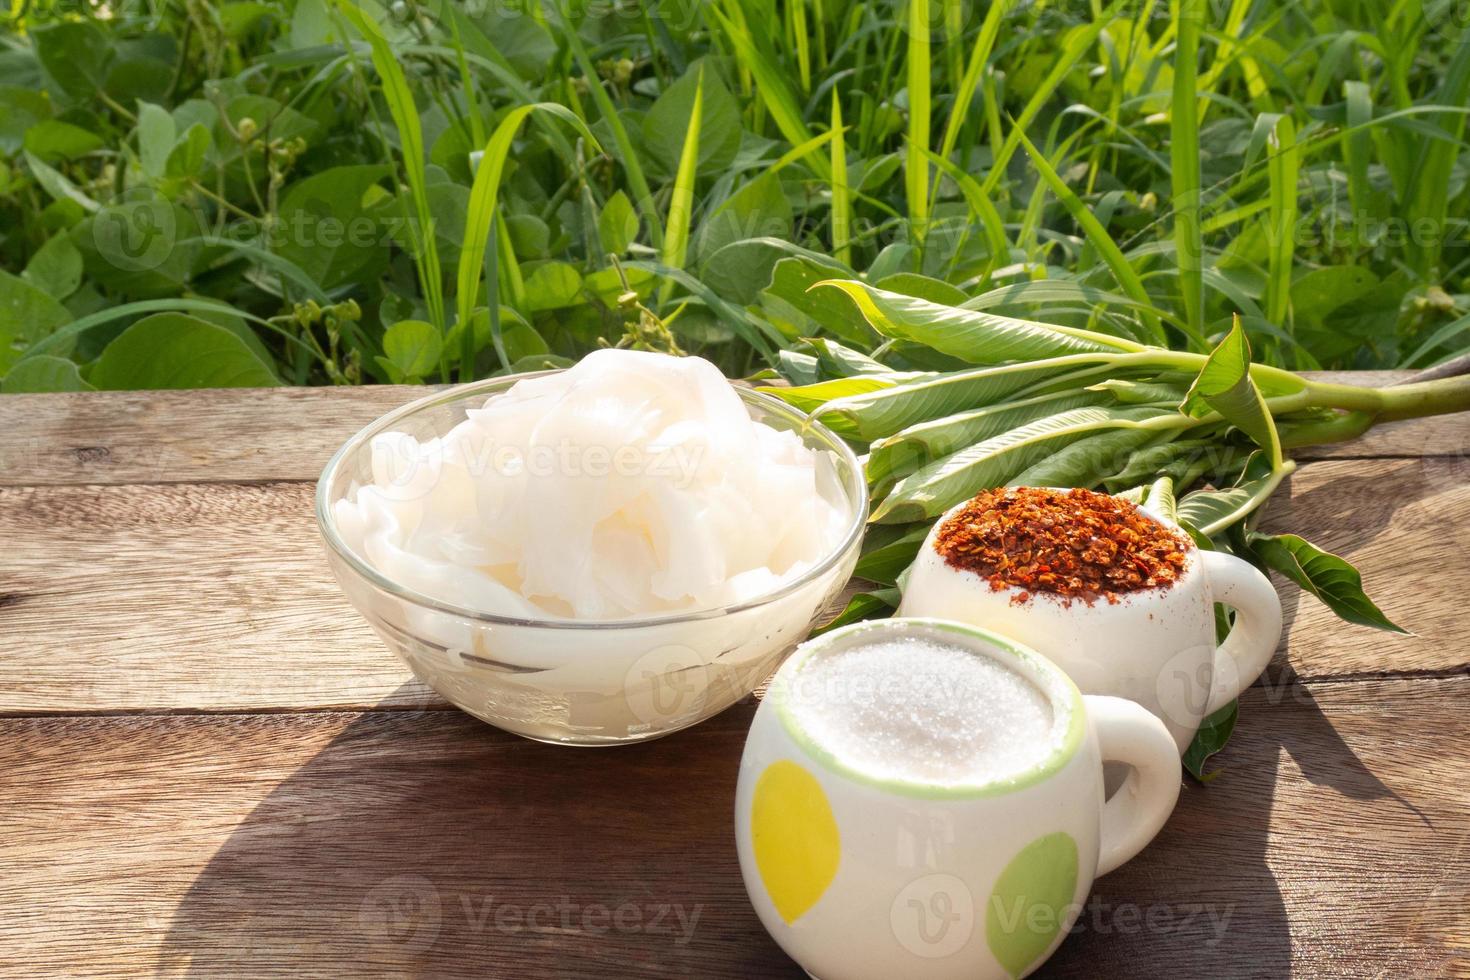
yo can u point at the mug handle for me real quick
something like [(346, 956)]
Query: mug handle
[(1257, 631), (1129, 733)]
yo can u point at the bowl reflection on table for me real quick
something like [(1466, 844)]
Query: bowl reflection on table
[(583, 682)]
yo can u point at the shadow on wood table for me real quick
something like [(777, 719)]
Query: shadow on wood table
[(427, 843)]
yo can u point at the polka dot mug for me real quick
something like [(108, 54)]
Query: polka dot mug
[(864, 876)]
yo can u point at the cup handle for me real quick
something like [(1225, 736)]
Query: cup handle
[(1257, 631), (1129, 733)]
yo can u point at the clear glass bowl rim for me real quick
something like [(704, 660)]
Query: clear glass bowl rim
[(805, 424)]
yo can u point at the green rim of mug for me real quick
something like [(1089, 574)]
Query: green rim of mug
[(1051, 679)]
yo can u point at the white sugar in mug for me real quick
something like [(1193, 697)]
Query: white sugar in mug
[(1155, 647), (866, 877)]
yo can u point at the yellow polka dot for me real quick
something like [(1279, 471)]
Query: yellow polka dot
[(794, 836)]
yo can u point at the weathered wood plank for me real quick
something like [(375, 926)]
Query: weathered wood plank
[(388, 843), (220, 434), (290, 433), (218, 597), (1405, 524), (184, 596)]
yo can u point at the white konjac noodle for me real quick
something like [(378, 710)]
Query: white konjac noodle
[(632, 484)]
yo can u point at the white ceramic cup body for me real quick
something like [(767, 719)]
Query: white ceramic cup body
[(1155, 647), (860, 878)]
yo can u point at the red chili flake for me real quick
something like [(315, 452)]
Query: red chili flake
[(1075, 544)]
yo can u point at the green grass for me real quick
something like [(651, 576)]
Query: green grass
[(1145, 170)]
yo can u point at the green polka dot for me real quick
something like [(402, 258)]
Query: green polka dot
[(1029, 902)]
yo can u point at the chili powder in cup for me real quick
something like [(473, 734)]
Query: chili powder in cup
[(1076, 544)]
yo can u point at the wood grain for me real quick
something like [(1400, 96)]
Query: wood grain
[(179, 597), (217, 597), (390, 843), (1405, 524), (213, 435), (119, 437)]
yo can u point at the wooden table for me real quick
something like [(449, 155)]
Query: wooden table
[(210, 766)]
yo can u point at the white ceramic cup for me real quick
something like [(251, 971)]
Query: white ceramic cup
[(859, 877), (1155, 647)]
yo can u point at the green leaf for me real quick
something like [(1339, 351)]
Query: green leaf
[(56, 267), (971, 335), (779, 275), (934, 488), (412, 348), (52, 181), (324, 229), (617, 225), (885, 559), (1083, 463), (1213, 733), (521, 340), (187, 156), (77, 56), (174, 350), (27, 314), (1326, 576), (1159, 498), (681, 198), (671, 117), (758, 210), (156, 137), (553, 286), (921, 444), (810, 397), (864, 605), (1284, 167), (44, 373), (1212, 511), (52, 140), (882, 413), (1224, 385)]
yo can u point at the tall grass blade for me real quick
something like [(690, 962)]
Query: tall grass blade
[(916, 171), (411, 140), (1185, 163), (1284, 166), (1077, 45), (965, 92), (681, 204), (1098, 236), (1429, 198), (770, 85), (484, 194), (841, 192)]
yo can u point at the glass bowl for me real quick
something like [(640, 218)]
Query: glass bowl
[(583, 682)]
